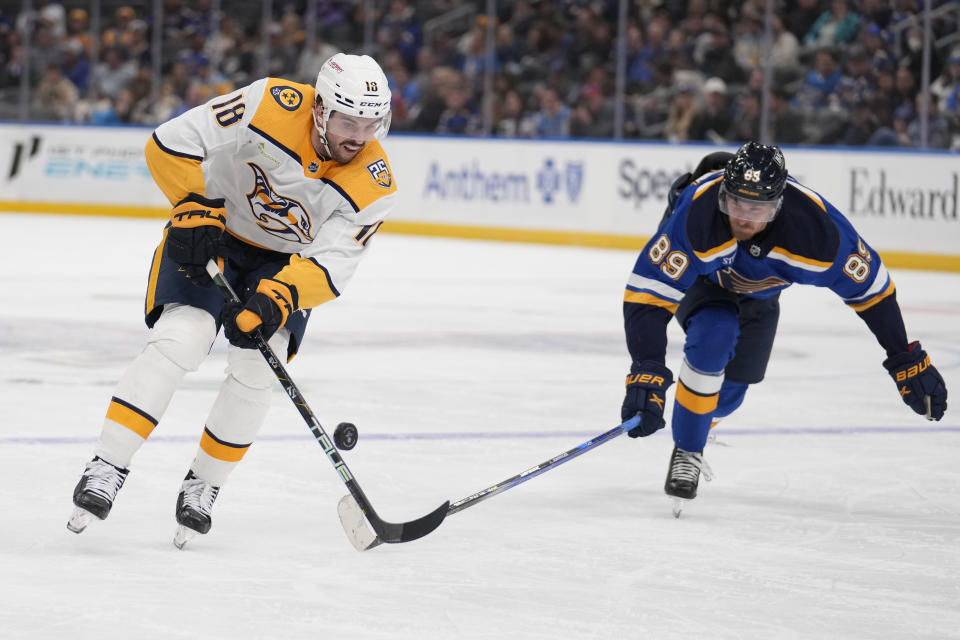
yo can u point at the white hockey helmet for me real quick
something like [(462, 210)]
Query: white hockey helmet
[(357, 87)]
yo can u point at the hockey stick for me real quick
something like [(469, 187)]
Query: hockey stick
[(352, 517), (390, 532)]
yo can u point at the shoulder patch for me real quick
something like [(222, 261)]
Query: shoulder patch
[(381, 173), (365, 179), (286, 96)]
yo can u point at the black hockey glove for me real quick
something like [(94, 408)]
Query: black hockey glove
[(196, 224), (647, 387), (920, 384), (267, 310)]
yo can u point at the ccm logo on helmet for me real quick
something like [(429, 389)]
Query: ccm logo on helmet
[(373, 104)]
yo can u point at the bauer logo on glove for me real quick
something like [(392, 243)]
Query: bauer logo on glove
[(920, 384), (645, 378), (647, 385), (911, 372)]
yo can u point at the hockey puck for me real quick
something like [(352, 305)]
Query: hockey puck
[(345, 436)]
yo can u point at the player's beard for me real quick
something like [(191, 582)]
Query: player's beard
[(346, 150), (744, 229), (328, 147)]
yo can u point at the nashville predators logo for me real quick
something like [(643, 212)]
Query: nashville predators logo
[(287, 97), (276, 214), (380, 173)]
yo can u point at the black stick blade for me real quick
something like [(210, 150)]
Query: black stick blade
[(422, 526), (357, 525)]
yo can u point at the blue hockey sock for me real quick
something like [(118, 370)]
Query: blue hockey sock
[(711, 338), (731, 397)]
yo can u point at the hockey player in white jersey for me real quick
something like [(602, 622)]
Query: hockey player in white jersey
[(284, 184)]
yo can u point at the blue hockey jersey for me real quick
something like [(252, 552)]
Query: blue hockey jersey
[(809, 242)]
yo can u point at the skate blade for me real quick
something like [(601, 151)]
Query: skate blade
[(183, 536), (677, 505), (79, 520)]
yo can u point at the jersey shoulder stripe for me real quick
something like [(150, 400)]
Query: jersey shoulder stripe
[(708, 182), (709, 237), (284, 117), (365, 179), (801, 262), (719, 251), (287, 150), (172, 152), (346, 196), (810, 194), (177, 174), (808, 238)]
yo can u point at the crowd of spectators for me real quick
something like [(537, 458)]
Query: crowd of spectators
[(843, 72)]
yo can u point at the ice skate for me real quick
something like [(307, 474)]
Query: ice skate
[(193, 508), (712, 436), (683, 477), (95, 492)]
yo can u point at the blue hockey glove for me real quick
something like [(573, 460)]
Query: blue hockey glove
[(646, 395), (920, 384)]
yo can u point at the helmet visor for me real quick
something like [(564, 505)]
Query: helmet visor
[(749, 210), (357, 128)]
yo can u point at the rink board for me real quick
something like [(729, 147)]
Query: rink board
[(602, 194)]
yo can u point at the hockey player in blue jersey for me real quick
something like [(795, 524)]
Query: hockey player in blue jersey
[(735, 234)]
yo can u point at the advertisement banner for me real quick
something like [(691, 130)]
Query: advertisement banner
[(597, 193), (590, 187), (897, 200), (77, 165)]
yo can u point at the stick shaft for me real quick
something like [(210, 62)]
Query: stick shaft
[(386, 531), (543, 467)]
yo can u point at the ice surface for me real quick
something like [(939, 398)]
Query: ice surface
[(835, 511)]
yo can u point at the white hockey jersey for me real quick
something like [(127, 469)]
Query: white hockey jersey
[(252, 148)]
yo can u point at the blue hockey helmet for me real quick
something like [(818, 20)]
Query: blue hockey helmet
[(753, 183)]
